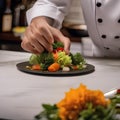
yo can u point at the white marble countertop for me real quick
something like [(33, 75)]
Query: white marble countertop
[(22, 94)]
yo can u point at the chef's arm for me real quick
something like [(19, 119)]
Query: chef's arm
[(44, 20), (54, 9)]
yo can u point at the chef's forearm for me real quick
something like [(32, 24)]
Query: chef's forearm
[(49, 20), (56, 10)]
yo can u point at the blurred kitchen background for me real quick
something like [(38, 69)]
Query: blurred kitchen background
[(13, 24)]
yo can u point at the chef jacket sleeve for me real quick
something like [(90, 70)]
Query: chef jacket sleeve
[(55, 9)]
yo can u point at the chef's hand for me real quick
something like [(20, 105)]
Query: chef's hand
[(40, 35)]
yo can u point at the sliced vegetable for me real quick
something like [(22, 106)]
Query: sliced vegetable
[(55, 56), (36, 67), (34, 59), (60, 49), (66, 69), (54, 67), (74, 67), (63, 59)]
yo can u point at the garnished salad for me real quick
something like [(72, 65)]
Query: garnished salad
[(82, 104), (56, 60)]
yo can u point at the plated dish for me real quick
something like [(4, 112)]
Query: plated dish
[(22, 67), (56, 63)]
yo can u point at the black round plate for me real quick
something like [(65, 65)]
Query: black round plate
[(22, 67)]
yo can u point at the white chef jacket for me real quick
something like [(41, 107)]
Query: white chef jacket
[(102, 18), (56, 9)]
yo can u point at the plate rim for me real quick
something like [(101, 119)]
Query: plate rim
[(89, 69)]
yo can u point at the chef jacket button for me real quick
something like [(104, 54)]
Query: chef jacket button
[(98, 4), (104, 36), (100, 20), (107, 48), (119, 21), (117, 37)]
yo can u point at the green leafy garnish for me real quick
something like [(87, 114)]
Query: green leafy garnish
[(63, 59), (77, 59), (90, 112), (57, 45), (34, 59), (50, 112), (44, 59), (98, 113)]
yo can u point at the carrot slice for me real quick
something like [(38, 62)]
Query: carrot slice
[(55, 56), (54, 67), (75, 67), (36, 67)]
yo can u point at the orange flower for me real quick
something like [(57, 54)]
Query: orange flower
[(75, 101)]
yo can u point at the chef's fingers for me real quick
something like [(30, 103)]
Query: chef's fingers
[(28, 47), (41, 32), (37, 46), (41, 36), (58, 36), (44, 38), (29, 43), (45, 32), (47, 46), (34, 41), (41, 28)]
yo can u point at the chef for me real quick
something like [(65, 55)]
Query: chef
[(102, 18)]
